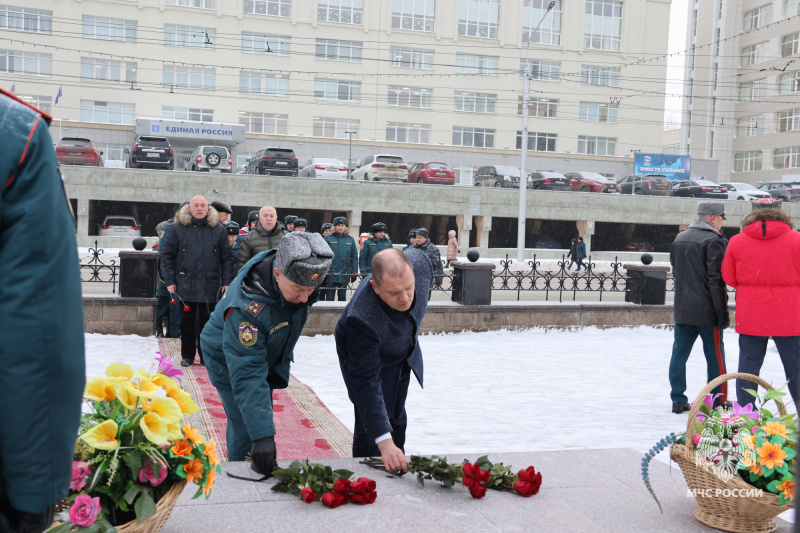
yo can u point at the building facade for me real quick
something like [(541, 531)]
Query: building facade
[(405, 76), (742, 100)]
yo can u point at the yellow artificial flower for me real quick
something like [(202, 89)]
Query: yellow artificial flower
[(174, 431), (185, 402), (100, 389), (119, 370), (127, 394), (154, 428), (166, 408), (776, 428), (102, 436), (165, 383), (193, 435), (147, 389), (143, 374), (771, 455), (788, 489)]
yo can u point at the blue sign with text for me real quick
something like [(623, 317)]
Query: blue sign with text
[(674, 167)]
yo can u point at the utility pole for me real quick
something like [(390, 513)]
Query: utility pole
[(350, 152), (523, 178), (633, 184)]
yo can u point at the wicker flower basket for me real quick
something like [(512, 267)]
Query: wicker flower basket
[(155, 523), (731, 511)]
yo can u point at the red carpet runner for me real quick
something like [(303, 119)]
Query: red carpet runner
[(306, 429)]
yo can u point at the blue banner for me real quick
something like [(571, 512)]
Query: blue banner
[(674, 167)]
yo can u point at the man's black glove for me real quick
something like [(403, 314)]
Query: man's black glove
[(264, 456), (353, 278), (724, 320), (22, 522)]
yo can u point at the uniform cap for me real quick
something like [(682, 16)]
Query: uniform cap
[(252, 216), (289, 219), (339, 220), (327, 225), (232, 228), (300, 222), (304, 258), (219, 205), (378, 226)]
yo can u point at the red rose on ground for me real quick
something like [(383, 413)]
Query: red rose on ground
[(477, 492), (527, 474), (475, 478), (532, 477), (186, 308), (524, 488), (308, 495), (342, 486), (370, 483), (365, 498), (333, 500)]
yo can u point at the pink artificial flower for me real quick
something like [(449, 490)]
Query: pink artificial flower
[(696, 438), (167, 367), (755, 430), (84, 511), (747, 410), (146, 473), (80, 469)]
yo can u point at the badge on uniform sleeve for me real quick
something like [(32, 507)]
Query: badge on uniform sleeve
[(248, 334)]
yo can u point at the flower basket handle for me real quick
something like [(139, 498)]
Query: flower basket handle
[(711, 386)]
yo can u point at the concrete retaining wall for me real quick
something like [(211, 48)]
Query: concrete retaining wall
[(113, 315)]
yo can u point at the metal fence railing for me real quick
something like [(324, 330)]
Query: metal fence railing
[(97, 271)]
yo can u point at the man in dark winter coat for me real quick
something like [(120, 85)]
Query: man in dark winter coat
[(344, 268), (167, 312), (196, 262), (266, 236), (372, 246), (701, 300), (580, 254), (430, 249), (249, 341), (763, 264), (376, 340), (42, 372), (252, 219)]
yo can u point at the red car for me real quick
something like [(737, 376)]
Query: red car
[(77, 151), (431, 173), (639, 245), (591, 182)]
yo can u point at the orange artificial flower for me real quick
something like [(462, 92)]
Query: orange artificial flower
[(211, 452), (755, 468), (194, 470), (788, 489), (776, 428), (182, 448), (771, 455), (209, 486), (193, 435)]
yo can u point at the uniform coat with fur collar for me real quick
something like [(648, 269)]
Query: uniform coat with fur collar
[(197, 256), (763, 264)]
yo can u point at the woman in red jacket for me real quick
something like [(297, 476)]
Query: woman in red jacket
[(763, 264)]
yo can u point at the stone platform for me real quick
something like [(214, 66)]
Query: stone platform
[(582, 491)]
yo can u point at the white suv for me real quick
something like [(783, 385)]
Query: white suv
[(120, 226), (209, 159), (381, 167)]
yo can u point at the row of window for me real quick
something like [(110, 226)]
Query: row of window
[(788, 82), (781, 121), (782, 158), (758, 53)]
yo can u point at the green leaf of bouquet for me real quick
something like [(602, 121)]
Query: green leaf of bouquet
[(791, 453), (419, 478), (754, 477), (783, 469), (63, 528), (772, 394), (145, 506), (752, 392), (777, 439), (180, 472), (766, 414), (343, 473), (132, 493), (773, 486)]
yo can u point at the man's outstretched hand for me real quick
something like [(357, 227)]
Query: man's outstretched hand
[(393, 457)]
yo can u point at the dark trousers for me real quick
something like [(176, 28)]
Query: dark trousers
[(169, 314), (337, 289), (580, 264), (192, 323), (752, 351), (363, 445), (714, 350)]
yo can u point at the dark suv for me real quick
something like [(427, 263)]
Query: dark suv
[(785, 190), (650, 184), (151, 152), (274, 162)]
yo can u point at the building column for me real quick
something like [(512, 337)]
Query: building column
[(354, 224), (83, 220), (586, 230)]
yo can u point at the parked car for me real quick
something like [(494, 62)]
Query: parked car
[(548, 181), (591, 182), (544, 241), (431, 173), (151, 152), (78, 151), (381, 167), (639, 245), (649, 184), (785, 190), (323, 167), (273, 162), (699, 189), (120, 226), (744, 191), (498, 176), (209, 159)]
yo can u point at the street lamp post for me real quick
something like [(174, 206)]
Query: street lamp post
[(523, 178), (350, 152), (633, 183)]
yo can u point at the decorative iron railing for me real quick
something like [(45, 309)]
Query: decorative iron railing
[(96, 271)]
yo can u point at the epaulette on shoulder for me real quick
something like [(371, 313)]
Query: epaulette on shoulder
[(254, 308), (47, 118)]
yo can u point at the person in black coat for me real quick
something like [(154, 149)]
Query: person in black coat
[(573, 244), (196, 262), (376, 340), (580, 254)]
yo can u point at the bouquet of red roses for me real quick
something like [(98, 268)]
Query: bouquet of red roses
[(312, 482)]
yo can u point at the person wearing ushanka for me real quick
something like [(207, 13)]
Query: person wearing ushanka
[(372, 246), (248, 343), (345, 264), (412, 239), (288, 221), (300, 224)]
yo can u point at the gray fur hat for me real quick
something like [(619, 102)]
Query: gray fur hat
[(711, 207), (422, 232), (766, 203), (304, 258)]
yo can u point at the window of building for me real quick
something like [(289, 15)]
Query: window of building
[(191, 36), (113, 152), (242, 158), (189, 77), (334, 128), (790, 8), (107, 29), (187, 113), (758, 17), (478, 18), (597, 145), (334, 50), (474, 102), (754, 54), (263, 83), (597, 112), (602, 22), (788, 82), (341, 90), (542, 70), (550, 30), (409, 97), (265, 43), (750, 126), (538, 141), (417, 15), (474, 64), (465, 173), (411, 58), (43, 103), (344, 11), (476, 137), (753, 90), (782, 158), (789, 44), (596, 75), (107, 112), (22, 19), (671, 149), (402, 132), (747, 161), (201, 4), (264, 122), (28, 63), (108, 70), (789, 120), (540, 107), (276, 8)]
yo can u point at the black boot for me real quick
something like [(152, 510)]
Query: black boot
[(680, 407)]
